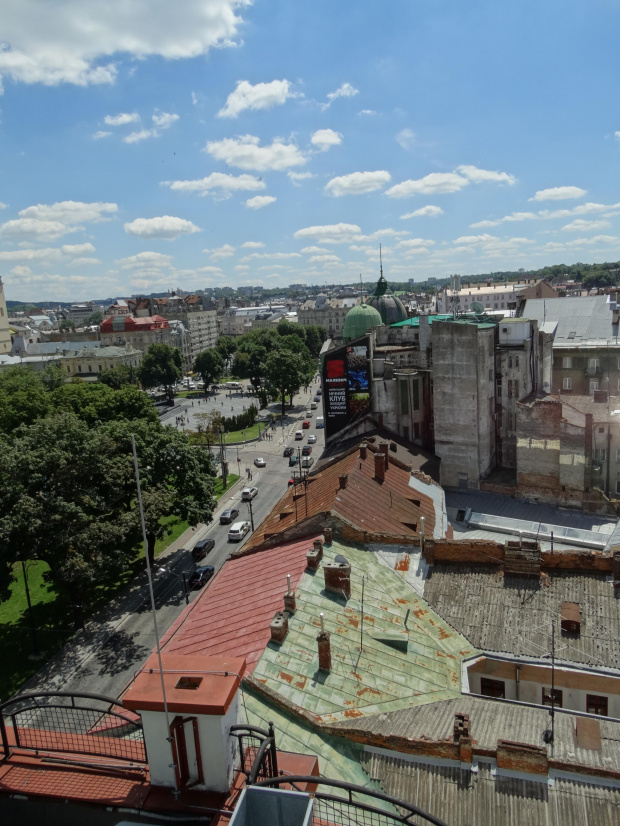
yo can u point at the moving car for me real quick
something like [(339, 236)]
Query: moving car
[(288, 451), (320, 422), (247, 494), (314, 405), (238, 531), (308, 414), (202, 548), (294, 459), (305, 425), (311, 439), (307, 462), (260, 462), (317, 398), (306, 450), (227, 516), (298, 435), (201, 576)]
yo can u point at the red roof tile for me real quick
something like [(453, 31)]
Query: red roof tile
[(390, 506), (231, 616)]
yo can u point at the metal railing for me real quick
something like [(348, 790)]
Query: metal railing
[(257, 750), (71, 724), (344, 810)]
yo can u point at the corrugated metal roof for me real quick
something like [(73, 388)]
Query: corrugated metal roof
[(584, 317), (390, 506), (465, 799), (513, 615)]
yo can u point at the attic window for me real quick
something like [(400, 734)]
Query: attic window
[(191, 683), (413, 526), (572, 334), (415, 502)]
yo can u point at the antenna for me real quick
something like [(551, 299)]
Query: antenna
[(380, 261)]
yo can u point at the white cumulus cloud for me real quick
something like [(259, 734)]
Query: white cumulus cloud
[(324, 139), (164, 120), (260, 201), (161, 121), (581, 225), (83, 43), (413, 243), (257, 97), (559, 193), (318, 250), (296, 177), (477, 176), (330, 233), (344, 91), (34, 229), (405, 138), (324, 259), (432, 184), (144, 259), (246, 153), (252, 245), (121, 119), (77, 249), (97, 136), (425, 211), (357, 183), (70, 212), (220, 182), (168, 227), (225, 251)]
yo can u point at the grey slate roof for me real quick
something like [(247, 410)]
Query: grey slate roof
[(462, 798), (588, 317), (509, 614)]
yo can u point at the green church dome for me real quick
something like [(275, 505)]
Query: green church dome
[(390, 307), (359, 320)]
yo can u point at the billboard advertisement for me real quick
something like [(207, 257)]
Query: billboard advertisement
[(346, 387)]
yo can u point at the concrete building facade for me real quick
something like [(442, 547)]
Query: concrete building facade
[(5, 332), (139, 332), (328, 313), (89, 362)]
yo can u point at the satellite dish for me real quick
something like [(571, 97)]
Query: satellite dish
[(341, 560), (476, 307)]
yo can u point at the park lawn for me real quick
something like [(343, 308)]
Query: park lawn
[(233, 436)]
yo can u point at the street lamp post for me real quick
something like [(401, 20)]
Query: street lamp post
[(251, 514), (183, 579), (33, 632), (223, 459)]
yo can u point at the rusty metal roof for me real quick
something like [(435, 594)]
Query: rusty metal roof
[(389, 507)]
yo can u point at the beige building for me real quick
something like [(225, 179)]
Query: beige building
[(329, 313), (492, 296), (201, 323), (89, 362), (5, 333)]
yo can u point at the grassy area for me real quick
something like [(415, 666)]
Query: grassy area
[(51, 616), (233, 436)]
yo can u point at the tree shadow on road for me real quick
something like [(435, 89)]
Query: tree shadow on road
[(120, 653)]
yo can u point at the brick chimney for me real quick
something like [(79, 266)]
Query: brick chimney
[(344, 480), (290, 604), (279, 627), (379, 466), (327, 533), (363, 450), (325, 652), (338, 578), (384, 447), (315, 555)]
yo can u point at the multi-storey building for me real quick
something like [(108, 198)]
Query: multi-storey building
[(5, 332), (192, 310), (90, 361), (329, 313), (492, 296), (139, 332)]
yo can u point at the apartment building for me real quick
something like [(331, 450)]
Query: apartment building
[(140, 333), (329, 313)]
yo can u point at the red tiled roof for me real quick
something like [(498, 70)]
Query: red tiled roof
[(154, 322), (390, 506), (231, 616)]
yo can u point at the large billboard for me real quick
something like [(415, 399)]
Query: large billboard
[(346, 386)]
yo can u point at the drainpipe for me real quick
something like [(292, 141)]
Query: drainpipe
[(518, 669)]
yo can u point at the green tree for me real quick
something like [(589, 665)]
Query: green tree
[(226, 345), (315, 336), (23, 398), (97, 403), (291, 328), (94, 318), (285, 371), (52, 376), (210, 365), (66, 325), (117, 377), (162, 365)]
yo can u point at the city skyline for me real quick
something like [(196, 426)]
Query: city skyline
[(229, 143)]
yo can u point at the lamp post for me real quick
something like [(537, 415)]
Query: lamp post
[(223, 458), (251, 514), (182, 578), (33, 632)]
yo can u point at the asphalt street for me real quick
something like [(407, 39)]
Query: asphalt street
[(103, 657)]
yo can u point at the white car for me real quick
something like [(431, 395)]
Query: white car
[(238, 531), (260, 462), (308, 414), (247, 494), (312, 439), (299, 434)]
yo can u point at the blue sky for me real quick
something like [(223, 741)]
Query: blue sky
[(224, 142)]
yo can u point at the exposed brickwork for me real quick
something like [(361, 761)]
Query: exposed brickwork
[(338, 578), (521, 757), (479, 551), (279, 627), (325, 651), (290, 603)]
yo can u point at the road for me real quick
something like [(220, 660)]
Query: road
[(103, 657)]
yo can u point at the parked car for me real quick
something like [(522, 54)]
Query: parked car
[(317, 398), (288, 451), (202, 548), (238, 531), (319, 392), (313, 405), (298, 435), (294, 459), (201, 576), (320, 422), (307, 462), (247, 494), (227, 516), (311, 439), (260, 462), (306, 450), (308, 414), (305, 425)]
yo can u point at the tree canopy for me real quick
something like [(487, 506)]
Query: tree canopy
[(210, 365), (162, 365)]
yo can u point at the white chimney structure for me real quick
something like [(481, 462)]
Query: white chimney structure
[(202, 703)]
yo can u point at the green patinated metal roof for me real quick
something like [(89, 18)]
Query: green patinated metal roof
[(359, 320), (463, 319), (385, 675)]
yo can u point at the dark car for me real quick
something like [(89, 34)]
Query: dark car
[(317, 398), (294, 459), (288, 451), (306, 450), (201, 576), (202, 548), (319, 392), (228, 516)]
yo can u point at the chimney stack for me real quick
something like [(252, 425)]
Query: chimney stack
[(384, 447), (344, 479), (325, 654), (379, 466), (315, 555), (279, 627), (290, 604), (338, 578), (363, 450), (327, 533)]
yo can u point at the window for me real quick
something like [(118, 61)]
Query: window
[(557, 697), (517, 362), (593, 385), (599, 454), (493, 688), (404, 398), (567, 362), (498, 388), (510, 362), (593, 364), (79, 368), (595, 704), (567, 384), (618, 454), (416, 395)]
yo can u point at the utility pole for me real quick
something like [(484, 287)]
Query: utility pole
[(33, 632), (251, 514), (223, 459)]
